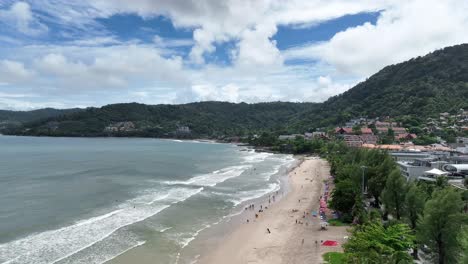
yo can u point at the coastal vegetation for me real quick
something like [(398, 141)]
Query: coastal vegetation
[(392, 217), (334, 257)]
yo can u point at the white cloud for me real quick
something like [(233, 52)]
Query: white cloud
[(208, 92), (405, 30), (257, 49), (217, 21), (22, 19), (118, 66), (172, 42), (14, 72), (98, 68)]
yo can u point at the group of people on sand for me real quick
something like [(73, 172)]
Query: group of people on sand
[(262, 208)]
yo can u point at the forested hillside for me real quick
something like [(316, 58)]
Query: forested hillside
[(28, 116), (205, 119), (423, 87)]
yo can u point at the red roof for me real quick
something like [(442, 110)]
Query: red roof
[(344, 130), (366, 130)]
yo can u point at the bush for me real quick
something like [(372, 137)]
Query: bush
[(334, 257)]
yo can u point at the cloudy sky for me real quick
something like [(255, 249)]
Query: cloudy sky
[(62, 53)]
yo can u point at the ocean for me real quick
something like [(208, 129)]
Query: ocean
[(90, 200)]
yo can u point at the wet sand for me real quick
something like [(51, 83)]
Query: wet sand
[(288, 242)]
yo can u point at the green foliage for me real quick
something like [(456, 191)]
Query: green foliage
[(414, 204), (374, 243), (464, 243), (421, 87), (425, 140), (442, 224), (334, 257), (337, 222), (205, 119), (378, 174), (343, 196), (34, 115), (393, 195)]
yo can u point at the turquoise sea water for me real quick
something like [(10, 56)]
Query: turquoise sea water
[(88, 200)]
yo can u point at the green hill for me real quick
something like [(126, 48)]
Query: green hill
[(421, 87), (205, 119), (28, 116)]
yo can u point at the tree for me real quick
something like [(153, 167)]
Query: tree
[(414, 204), (378, 177), (359, 212), (373, 243), (393, 194), (441, 225), (414, 207), (343, 196), (441, 182)]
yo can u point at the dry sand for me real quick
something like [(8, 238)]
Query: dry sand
[(288, 242)]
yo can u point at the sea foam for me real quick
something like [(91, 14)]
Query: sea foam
[(57, 245), (213, 178)]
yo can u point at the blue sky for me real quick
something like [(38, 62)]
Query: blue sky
[(57, 53)]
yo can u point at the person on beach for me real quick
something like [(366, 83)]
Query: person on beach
[(256, 215), (268, 229)]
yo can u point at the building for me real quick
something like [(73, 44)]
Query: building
[(353, 140), (456, 169), (126, 126), (418, 167), (384, 124), (289, 137), (359, 140), (350, 131), (462, 150), (343, 130), (183, 130), (413, 170), (410, 156)]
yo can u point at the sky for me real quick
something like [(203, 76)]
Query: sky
[(64, 54)]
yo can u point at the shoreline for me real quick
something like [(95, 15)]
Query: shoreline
[(288, 242), (233, 240), (209, 236)]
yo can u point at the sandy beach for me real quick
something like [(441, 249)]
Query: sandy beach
[(288, 242)]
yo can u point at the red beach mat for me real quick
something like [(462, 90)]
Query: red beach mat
[(330, 243)]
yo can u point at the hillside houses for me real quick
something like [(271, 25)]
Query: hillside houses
[(127, 126), (356, 138)]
